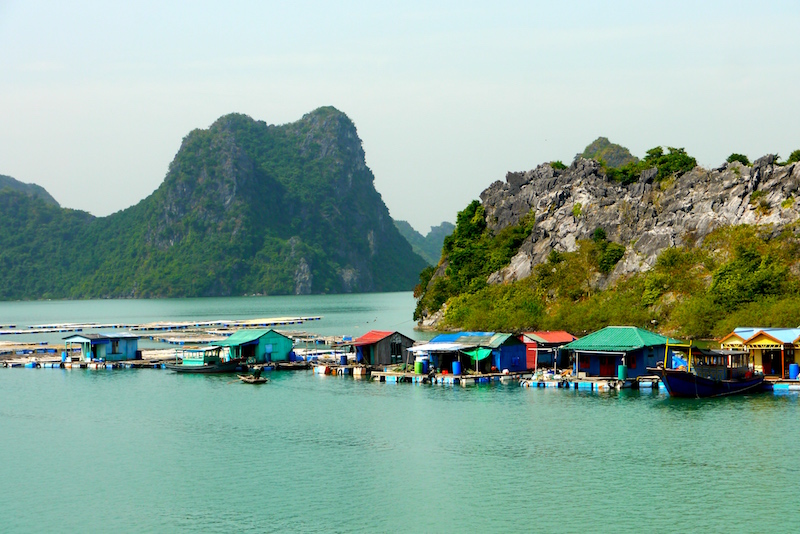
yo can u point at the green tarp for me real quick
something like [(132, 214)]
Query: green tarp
[(479, 354)]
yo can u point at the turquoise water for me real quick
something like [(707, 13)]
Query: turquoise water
[(153, 451)]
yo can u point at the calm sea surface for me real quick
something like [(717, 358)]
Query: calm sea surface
[(153, 451)]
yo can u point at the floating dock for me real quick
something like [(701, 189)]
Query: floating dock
[(224, 324)]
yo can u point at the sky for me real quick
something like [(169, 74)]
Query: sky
[(447, 97)]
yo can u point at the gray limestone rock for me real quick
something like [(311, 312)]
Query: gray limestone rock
[(646, 216)]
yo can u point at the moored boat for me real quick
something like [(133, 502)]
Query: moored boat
[(711, 373), (205, 360)]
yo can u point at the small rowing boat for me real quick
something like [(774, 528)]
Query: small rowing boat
[(251, 379)]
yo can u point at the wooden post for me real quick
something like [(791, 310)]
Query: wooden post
[(783, 365)]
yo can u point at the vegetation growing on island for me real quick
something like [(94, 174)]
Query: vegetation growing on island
[(246, 208), (739, 275), (674, 163), (611, 154)]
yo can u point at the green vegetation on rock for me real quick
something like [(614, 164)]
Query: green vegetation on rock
[(612, 155), (740, 275), (741, 158), (246, 208), (674, 163)]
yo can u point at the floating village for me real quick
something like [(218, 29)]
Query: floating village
[(748, 360)]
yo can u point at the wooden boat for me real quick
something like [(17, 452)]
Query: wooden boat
[(205, 360), (252, 379), (221, 367), (711, 373)]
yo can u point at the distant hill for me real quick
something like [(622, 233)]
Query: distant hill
[(246, 208), (33, 190), (613, 155), (429, 246)]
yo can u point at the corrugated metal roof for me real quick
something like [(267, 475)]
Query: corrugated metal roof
[(620, 339), (476, 339), (783, 335), (456, 336), (242, 337), (373, 336), (556, 336)]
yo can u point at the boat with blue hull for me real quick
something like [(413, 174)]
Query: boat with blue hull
[(711, 373), (686, 384)]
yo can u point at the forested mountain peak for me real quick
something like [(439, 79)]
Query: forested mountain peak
[(247, 207), (33, 190)]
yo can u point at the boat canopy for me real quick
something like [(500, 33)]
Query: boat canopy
[(479, 354)]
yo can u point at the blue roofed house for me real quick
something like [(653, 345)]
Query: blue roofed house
[(600, 353), (477, 350), (772, 349), (105, 347)]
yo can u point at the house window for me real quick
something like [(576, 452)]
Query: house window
[(114, 346), (631, 360), (396, 350)]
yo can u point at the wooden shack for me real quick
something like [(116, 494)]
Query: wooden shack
[(378, 347)]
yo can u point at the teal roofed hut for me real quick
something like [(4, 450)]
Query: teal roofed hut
[(258, 346), (601, 353)]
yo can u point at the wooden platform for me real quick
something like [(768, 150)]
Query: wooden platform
[(444, 379)]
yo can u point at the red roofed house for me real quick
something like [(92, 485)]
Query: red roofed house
[(542, 348), (383, 348)]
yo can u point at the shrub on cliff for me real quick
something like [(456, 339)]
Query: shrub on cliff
[(675, 163), (741, 158)]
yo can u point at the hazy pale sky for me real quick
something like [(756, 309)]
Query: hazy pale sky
[(95, 97)]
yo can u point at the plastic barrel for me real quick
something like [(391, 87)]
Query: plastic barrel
[(456, 368), (622, 372), (343, 359), (418, 367), (794, 371), (425, 367)]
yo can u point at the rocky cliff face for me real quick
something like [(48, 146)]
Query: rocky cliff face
[(646, 216)]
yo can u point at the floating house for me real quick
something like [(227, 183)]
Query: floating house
[(772, 349), (378, 347), (258, 346), (105, 347), (602, 353), (544, 349), (480, 351)]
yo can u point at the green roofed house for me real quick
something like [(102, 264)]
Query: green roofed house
[(601, 353), (258, 346)]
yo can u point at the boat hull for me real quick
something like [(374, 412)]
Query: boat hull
[(225, 367), (250, 379), (685, 384)]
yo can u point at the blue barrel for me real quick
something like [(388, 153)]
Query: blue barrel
[(343, 359), (794, 371), (456, 368), (425, 366)]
